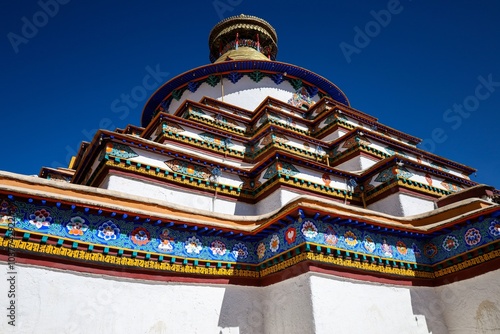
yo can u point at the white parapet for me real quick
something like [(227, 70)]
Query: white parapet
[(51, 300)]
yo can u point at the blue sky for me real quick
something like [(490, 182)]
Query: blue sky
[(428, 68)]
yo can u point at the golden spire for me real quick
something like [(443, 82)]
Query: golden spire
[(242, 37)]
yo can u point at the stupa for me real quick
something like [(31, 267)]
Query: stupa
[(252, 198)]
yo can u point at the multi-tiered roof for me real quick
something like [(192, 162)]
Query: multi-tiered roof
[(247, 167)]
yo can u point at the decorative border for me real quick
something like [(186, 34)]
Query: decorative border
[(193, 267), (126, 241)]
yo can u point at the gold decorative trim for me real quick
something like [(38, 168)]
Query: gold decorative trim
[(228, 128), (405, 184), (468, 263), (381, 190), (368, 266), (225, 189), (125, 261), (283, 265), (191, 141), (166, 262)]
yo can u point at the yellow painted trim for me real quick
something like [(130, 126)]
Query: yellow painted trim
[(468, 263), (72, 162)]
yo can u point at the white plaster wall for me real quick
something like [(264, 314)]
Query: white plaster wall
[(402, 205), (366, 162), (413, 205), (390, 205), (350, 165), (53, 301), (287, 306), (471, 306), (335, 135), (194, 200), (245, 94), (248, 94), (172, 195), (344, 306), (274, 201), (233, 207), (62, 301)]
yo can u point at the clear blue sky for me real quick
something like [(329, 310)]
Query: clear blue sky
[(425, 57)]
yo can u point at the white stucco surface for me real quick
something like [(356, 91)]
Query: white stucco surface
[(357, 163), (275, 200), (60, 301), (402, 205), (350, 165), (197, 200), (164, 192), (413, 205), (246, 94), (390, 205), (471, 306), (349, 306), (56, 301), (52, 301)]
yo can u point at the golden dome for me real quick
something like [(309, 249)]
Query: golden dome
[(242, 32)]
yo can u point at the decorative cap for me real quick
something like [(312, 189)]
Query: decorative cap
[(242, 37)]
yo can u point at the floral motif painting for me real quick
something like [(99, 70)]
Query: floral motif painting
[(438, 166), (401, 247), (450, 186), (390, 173), (223, 120), (172, 127), (193, 245), (291, 235), (430, 250), (129, 233), (140, 236), (386, 249), (7, 208), (108, 231), (428, 178), (330, 236), (309, 229), (301, 99), (196, 111), (282, 168), (77, 226), (188, 168), (450, 243), (326, 179), (166, 241), (274, 244), (350, 239), (218, 247), (353, 141), (240, 251), (261, 250), (41, 219), (277, 137), (334, 117), (369, 245), (217, 140), (120, 151), (472, 237), (249, 183), (494, 228), (393, 151)]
